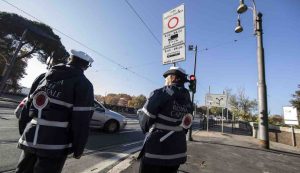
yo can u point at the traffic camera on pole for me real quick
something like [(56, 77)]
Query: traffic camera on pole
[(192, 85)]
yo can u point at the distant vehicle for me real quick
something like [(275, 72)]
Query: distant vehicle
[(102, 118), (219, 118)]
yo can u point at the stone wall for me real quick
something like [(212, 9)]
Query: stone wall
[(279, 134), (284, 135)]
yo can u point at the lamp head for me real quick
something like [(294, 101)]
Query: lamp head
[(242, 7), (238, 28)]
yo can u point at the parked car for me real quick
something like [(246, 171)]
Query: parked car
[(102, 118), (219, 118)]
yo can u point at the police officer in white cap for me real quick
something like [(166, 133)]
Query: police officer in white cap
[(164, 148), (60, 109)]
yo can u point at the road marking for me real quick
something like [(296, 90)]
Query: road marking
[(130, 131), (110, 161), (132, 143), (9, 142)]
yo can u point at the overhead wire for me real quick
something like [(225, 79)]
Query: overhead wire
[(201, 50), (143, 22), (82, 44), (127, 68)]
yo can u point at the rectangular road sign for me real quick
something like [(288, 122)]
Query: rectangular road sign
[(173, 38), (173, 41), (174, 54), (173, 19), (216, 100), (290, 115)]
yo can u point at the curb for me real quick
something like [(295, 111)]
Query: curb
[(124, 164), (112, 163)]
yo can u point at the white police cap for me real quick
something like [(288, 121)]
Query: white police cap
[(82, 55), (175, 71)]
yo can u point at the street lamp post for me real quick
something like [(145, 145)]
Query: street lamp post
[(261, 85)]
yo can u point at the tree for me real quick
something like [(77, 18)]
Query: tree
[(112, 99), (296, 99), (202, 110), (99, 98), (242, 107), (137, 102), (40, 41), (276, 120), (216, 110)]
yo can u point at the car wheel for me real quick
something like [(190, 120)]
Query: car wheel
[(111, 126)]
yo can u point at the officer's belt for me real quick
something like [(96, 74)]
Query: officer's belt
[(166, 127), (49, 123)]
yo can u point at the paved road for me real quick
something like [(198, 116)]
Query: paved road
[(102, 148), (98, 141), (8, 138)]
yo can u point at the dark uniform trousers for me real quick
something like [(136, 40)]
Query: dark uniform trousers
[(31, 163), (147, 168)]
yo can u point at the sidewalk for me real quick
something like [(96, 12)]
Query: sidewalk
[(229, 153), (10, 101), (11, 98)]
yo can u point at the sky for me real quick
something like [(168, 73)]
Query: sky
[(112, 33)]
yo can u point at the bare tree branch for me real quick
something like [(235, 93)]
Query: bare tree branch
[(28, 53)]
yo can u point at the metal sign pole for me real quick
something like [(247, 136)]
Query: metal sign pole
[(293, 136), (222, 120)]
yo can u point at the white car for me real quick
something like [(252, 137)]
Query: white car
[(102, 118), (107, 119)]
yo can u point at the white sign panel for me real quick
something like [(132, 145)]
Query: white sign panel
[(290, 116), (173, 19), (173, 41), (174, 54), (173, 38), (216, 100)]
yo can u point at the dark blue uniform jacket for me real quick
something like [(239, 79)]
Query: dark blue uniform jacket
[(163, 113), (63, 125)]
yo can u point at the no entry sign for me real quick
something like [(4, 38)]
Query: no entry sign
[(173, 41), (173, 19)]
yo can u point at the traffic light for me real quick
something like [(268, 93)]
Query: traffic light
[(192, 85)]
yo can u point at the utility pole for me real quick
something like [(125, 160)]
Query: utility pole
[(193, 94), (10, 65), (261, 84), (262, 87)]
